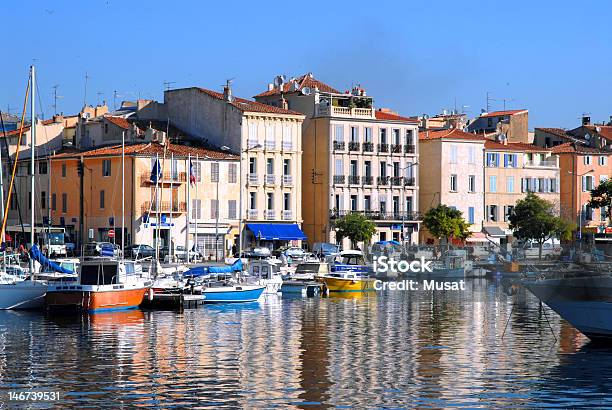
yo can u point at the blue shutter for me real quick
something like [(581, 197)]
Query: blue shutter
[(514, 160), (506, 160), (497, 160)]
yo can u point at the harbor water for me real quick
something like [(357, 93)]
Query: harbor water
[(385, 349)]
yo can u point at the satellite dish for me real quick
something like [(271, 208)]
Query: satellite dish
[(587, 136), (306, 91), (279, 80)]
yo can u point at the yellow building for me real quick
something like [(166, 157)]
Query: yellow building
[(88, 203)]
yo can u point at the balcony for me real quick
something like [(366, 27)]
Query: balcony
[(339, 145), (409, 181), (270, 179), (339, 179), (167, 178), (382, 180), (287, 146), (346, 112), (383, 147), (253, 179), (547, 163), (354, 179), (354, 146), (163, 207), (396, 181), (368, 180), (270, 145), (379, 215), (252, 143), (368, 147), (270, 214), (287, 215), (410, 149), (287, 180), (252, 214), (396, 148)]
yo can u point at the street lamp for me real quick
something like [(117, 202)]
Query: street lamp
[(410, 165), (256, 146), (223, 148), (580, 211)]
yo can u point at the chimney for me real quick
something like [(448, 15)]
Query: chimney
[(270, 86), (227, 91), (586, 120)]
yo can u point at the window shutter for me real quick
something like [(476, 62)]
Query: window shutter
[(523, 187), (584, 183), (487, 210), (514, 160), (505, 160), (557, 185)]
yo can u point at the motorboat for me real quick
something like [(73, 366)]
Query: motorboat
[(224, 292), (102, 285), (303, 280), (349, 273), (19, 293), (266, 272)]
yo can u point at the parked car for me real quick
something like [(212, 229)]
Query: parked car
[(140, 251), (180, 253), (325, 249)]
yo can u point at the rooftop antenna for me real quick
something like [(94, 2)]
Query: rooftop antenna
[(115, 100), (504, 101), (489, 99), (87, 77), (167, 84), (99, 93), (55, 98)]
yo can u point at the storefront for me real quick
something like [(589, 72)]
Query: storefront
[(274, 236)]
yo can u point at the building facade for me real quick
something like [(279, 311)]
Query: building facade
[(454, 175), (356, 160), (513, 124)]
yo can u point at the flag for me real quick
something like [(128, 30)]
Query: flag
[(192, 176), (156, 172)]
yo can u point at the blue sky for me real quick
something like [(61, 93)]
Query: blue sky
[(554, 58)]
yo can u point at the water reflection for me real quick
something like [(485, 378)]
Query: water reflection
[(390, 349)]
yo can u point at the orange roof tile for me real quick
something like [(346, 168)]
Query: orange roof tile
[(452, 133), (506, 112), (604, 130), (387, 116), (513, 146), (250, 106), (306, 80), (571, 148), (151, 149), (118, 121)]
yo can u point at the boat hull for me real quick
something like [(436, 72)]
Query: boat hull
[(95, 301), (22, 295), (232, 294), (348, 285), (585, 302)]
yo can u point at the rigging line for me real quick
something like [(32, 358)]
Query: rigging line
[(10, 163), (10, 192)]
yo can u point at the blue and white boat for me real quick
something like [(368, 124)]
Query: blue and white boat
[(227, 293)]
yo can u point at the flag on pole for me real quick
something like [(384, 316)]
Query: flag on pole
[(192, 176), (156, 172)]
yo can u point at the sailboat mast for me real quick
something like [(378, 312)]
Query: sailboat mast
[(33, 159), (122, 194)]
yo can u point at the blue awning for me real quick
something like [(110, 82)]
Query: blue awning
[(277, 232)]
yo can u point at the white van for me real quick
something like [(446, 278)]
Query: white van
[(551, 249)]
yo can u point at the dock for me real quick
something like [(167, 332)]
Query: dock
[(174, 300)]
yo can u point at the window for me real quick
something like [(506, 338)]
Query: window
[(196, 209), (492, 213), (197, 169), (339, 134), (339, 167), (507, 212), (63, 170), (453, 154), (492, 160), (64, 203), (252, 165), (102, 199), (587, 183), (270, 201), (252, 200), (471, 215), (231, 209), (214, 172), (383, 169), (396, 136), (471, 155), (354, 134), (396, 204), (24, 140), (367, 171), (396, 169), (603, 178), (270, 166), (286, 167), (409, 137), (42, 168), (106, 168), (409, 204), (510, 184), (232, 173), (383, 204), (472, 183), (43, 200), (493, 183), (214, 209), (353, 169), (287, 201), (337, 202), (106, 128), (587, 160), (383, 135), (510, 160), (453, 182), (53, 202), (554, 186), (603, 160), (367, 203), (368, 134), (353, 202), (252, 133)]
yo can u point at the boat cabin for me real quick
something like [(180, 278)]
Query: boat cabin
[(108, 272), (265, 268)]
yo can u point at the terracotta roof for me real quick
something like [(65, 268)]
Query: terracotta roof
[(16, 132), (387, 116), (306, 80), (453, 133), (150, 149), (506, 112), (118, 121), (514, 146), (604, 130), (571, 148), (559, 132), (250, 106)]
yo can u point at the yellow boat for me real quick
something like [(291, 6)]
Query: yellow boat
[(347, 282)]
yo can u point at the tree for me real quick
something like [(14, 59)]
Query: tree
[(445, 222), (601, 197), (356, 227), (533, 218)]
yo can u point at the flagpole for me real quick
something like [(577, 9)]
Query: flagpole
[(188, 168), (197, 208)]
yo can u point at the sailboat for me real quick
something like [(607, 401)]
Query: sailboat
[(16, 292)]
